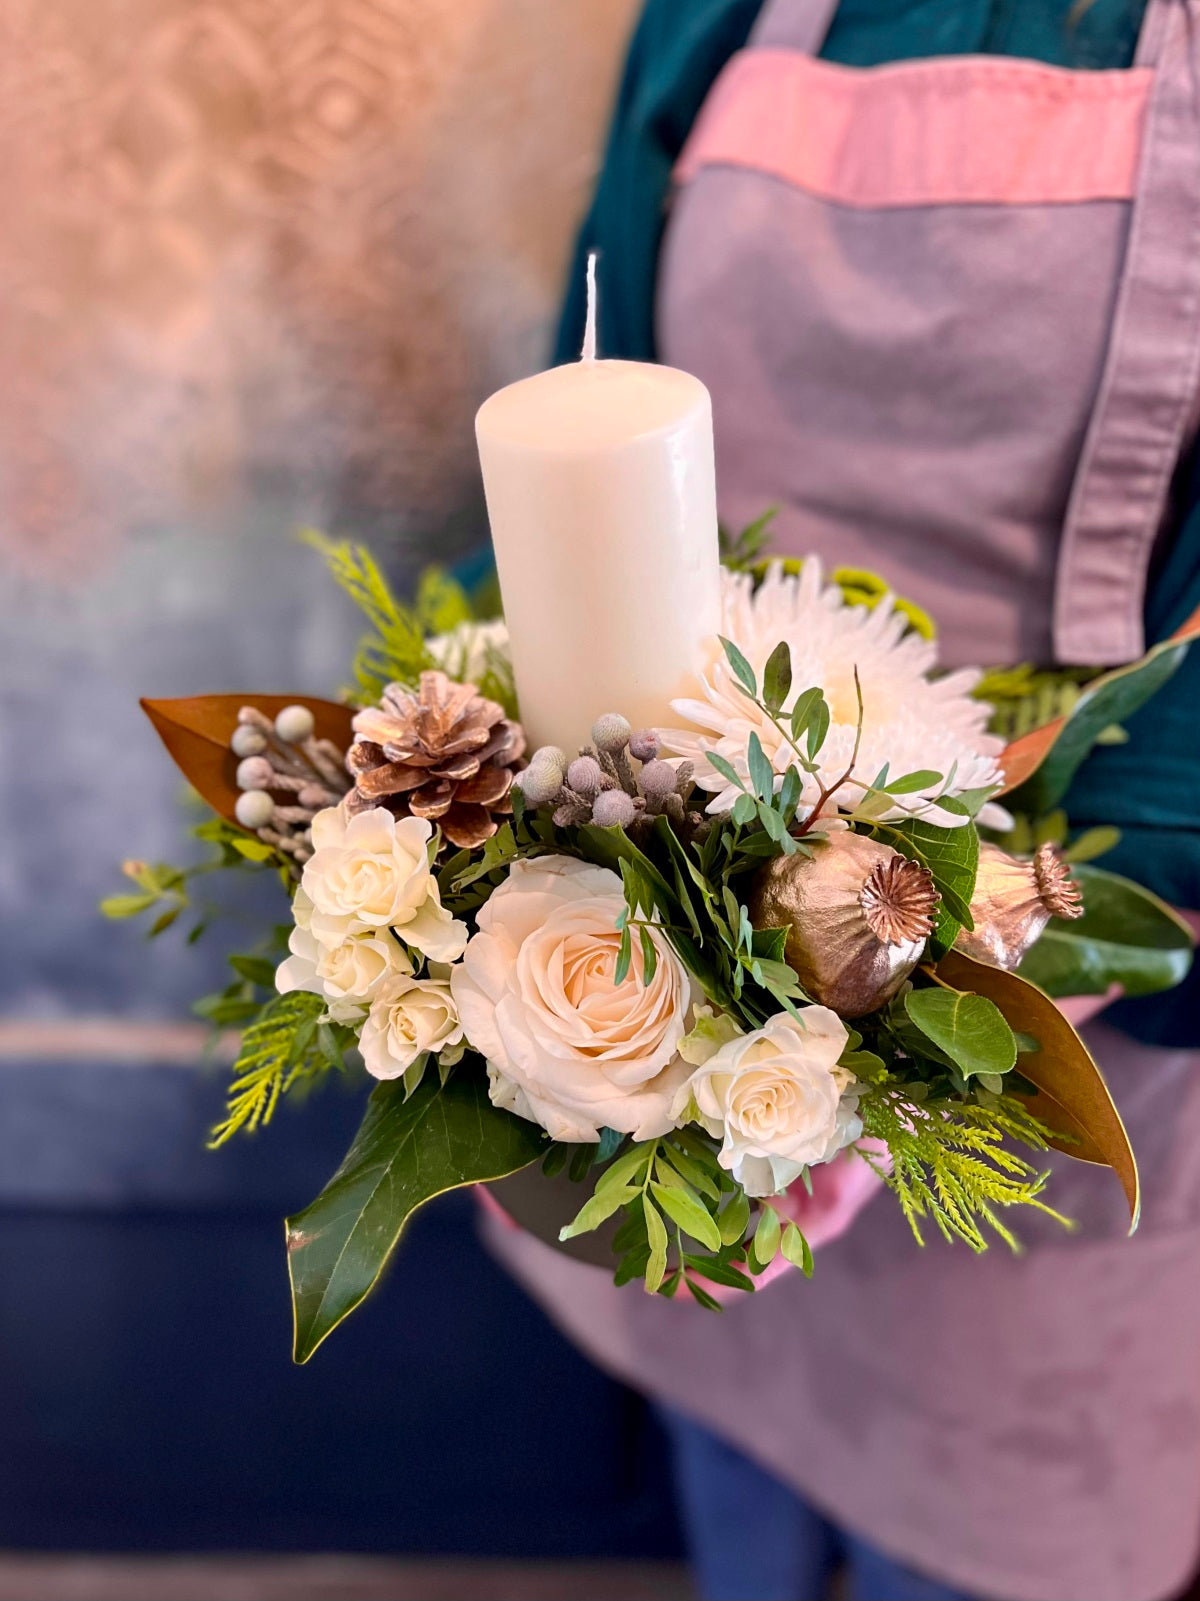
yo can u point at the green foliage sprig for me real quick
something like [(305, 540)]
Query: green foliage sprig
[(686, 1222), (950, 1163), (290, 1042), (395, 648), (167, 890)]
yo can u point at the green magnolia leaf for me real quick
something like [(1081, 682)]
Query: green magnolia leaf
[(1040, 765), (967, 1028), (406, 1152), (1070, 1096), (1126, 936)]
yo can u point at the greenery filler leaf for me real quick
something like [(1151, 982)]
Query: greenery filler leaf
[(1126, 936), (196, 731), (406, 1152), (1072, 1099)]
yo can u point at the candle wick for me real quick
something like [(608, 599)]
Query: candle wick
[(588, 353)]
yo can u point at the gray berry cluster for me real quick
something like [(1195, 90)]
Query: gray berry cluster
[(286, 775), (619, 780)]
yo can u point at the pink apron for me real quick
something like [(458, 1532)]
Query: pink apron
[(949, 312)]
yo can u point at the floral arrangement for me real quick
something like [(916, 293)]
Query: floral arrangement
[(678, 970)]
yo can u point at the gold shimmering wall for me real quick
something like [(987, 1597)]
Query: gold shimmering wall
[(267, 255)]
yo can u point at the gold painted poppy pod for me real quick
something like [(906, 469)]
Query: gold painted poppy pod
[(858, 915), (1014, 899)]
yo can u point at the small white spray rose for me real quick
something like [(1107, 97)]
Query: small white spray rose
[(409, 1017), (371, 872), (566, 1047), (347, 975), (776, 1098)]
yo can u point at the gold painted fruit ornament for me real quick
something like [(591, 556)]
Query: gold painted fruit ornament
[(857, 913), (1013, 900)]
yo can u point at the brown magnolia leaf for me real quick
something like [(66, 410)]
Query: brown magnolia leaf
[(197, 728), (1072, 1100), (1022, 758)]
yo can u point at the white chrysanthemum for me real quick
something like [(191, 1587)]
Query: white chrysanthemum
[(472, 649), (911, 721)]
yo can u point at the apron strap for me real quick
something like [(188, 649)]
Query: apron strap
[(1152, 370), (800, 28)]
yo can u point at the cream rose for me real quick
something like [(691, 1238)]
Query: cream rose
[(371, 872), (409, 1017), (565, 1046), (776, 1098), (347, 975)]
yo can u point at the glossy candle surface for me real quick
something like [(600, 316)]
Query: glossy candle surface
[(602, 501)]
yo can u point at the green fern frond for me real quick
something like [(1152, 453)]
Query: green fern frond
[(394, 649), (950, 1162), (287, 1042)]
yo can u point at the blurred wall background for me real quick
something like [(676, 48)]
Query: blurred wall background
[(260, 261)]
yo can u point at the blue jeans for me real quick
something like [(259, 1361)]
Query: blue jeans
[(753, 1539)]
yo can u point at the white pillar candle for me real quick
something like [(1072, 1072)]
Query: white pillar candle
[(602, 502)]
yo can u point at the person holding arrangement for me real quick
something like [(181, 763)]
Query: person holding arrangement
[(939, 267)]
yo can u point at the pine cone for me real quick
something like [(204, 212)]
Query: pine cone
[(445, 753)]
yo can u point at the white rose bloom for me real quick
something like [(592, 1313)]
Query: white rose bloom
[(347, 975), (371, 872), (565, 1046), (408, 1017), (776, 1097)]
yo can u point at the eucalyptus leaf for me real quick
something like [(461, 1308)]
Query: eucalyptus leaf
[(744, 811), (777, 676), (762, 774), (406, 1152), (968, 1028), (804, 709), (742, 669), (1126, 936)]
